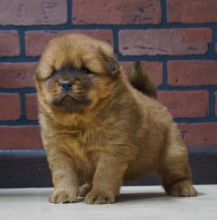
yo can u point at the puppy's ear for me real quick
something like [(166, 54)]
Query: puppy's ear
[(37, 75), (110, 64), (43, 72)]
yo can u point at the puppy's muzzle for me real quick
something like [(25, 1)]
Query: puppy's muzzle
[(66, 86)]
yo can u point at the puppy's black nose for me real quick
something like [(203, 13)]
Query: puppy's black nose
[(66, 86)]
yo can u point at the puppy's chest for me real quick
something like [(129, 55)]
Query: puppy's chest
[(81, 144)]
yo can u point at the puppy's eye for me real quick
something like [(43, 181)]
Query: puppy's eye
[(85, 70)]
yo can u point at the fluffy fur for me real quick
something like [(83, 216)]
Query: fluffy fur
[(103, 131), (140, 80)]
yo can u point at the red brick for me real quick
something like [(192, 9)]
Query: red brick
[(20, 137), (37, 40), (32, 107), (165, 41), (186, 104), (191, 11), (154, 70), (32, 12), (199, 134), (10, 108), (192, 73), (9, 43), (17, 75), (116, 12)]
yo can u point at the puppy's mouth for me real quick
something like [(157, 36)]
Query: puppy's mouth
[(71, 104)]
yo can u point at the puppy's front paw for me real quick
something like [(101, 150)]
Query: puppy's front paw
[(183, 189), (63, 196), (99, 198)]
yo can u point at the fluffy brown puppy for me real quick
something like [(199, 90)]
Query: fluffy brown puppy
[(97, 128)]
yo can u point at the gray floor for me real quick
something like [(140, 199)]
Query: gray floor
[(149, 202)]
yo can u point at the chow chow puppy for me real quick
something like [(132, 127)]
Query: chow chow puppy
[(100, 129)]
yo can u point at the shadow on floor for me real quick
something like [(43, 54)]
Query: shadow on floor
[(140, 196)]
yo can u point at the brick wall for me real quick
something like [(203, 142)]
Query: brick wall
[(176, 40)]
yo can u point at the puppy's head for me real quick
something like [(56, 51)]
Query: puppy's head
[(75, 73)]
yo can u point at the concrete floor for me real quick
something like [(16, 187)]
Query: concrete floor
[(149, 202)]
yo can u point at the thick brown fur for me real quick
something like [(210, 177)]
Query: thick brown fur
[(103, 131)]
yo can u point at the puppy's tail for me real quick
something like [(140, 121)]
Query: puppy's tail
[(140, 80)]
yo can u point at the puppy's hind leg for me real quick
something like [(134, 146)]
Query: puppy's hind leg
[(173, 166), (84, 189)]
